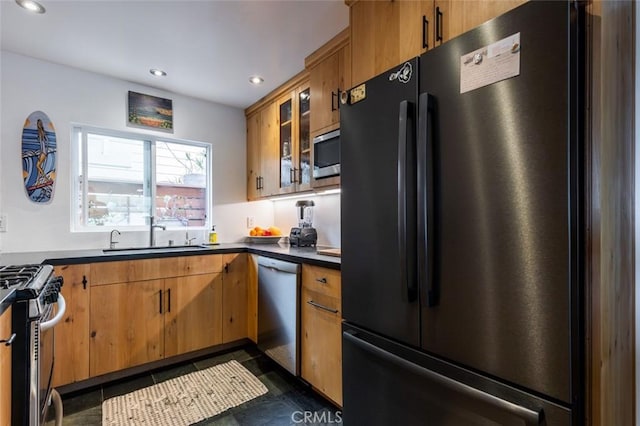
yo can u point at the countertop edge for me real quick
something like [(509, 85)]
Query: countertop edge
[(74, 257)]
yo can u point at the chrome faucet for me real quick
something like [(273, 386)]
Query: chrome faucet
[(187, 240), (112, 244), (152, 235)]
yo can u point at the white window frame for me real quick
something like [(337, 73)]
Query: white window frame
[(79, 147)]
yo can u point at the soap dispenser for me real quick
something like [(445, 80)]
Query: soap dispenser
[(213, 235)]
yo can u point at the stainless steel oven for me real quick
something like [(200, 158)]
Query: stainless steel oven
[(33, 319), (326, 155)]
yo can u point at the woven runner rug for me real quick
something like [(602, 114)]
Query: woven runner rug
[(184, 400)]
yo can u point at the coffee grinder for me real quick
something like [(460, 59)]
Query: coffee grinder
[(304, 235)]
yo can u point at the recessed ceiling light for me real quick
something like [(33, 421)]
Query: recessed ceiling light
[(157, 72), (31, 6), (256, 79)]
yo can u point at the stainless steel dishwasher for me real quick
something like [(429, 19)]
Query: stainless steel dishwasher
[(278, 317)]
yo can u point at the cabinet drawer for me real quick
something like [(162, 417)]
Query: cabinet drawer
[(326, 306), (152, 269), (321, 280)]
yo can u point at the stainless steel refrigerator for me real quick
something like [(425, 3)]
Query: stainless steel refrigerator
[(462, 229)]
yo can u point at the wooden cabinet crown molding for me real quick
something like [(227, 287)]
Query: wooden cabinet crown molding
[(329, 48), (291, 84)]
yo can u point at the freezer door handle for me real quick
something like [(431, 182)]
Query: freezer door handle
[(404, 133), (530, 417), (426, 229)]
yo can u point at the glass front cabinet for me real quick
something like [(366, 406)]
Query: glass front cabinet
[(294, 140)]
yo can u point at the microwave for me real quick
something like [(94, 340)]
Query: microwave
[(326, 155)]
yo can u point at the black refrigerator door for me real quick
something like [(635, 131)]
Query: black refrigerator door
[(504, 244), (378, 223), (388, 384)]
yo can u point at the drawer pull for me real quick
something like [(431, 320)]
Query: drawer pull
[(317, 305), (322, 280), (9, 341)]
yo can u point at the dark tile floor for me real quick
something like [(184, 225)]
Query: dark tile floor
[(289, 401)]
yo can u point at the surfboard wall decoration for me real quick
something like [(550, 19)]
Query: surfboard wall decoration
[(39, 150)]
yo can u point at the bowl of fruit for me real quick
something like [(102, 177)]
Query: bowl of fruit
[(270, 235)]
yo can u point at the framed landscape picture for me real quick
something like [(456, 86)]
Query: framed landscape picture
[(150, 111)]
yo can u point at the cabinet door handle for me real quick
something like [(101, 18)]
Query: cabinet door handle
[(425, 32), (257, 182), (322, 280), (226, 267), (337, 98), (261, 183), (169, 300), (324, 308), (9, 341), (84, 282), (160, 301), (439, 24)]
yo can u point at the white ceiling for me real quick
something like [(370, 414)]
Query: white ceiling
[(208, 48)]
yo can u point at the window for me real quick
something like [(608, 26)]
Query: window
[(122, 179)]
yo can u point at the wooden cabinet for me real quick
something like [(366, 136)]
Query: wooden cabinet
[(294, 140), (192, 313), (329, 74), (235, 297), (276, 130), (156, 268), (5, 369), (72, 333), (252, 296), (262, 154), (321, 335), (127, 325), (386, 33), (455, 17), (145, 310), (269, 157), (253, 156)]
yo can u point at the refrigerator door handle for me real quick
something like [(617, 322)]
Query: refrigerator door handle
[(404, 132), (530, 417), (426, 277)]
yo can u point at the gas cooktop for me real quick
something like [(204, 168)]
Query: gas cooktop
[(27, 280)]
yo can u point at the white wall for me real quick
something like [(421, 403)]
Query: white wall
[(69, 95), (326, 217)]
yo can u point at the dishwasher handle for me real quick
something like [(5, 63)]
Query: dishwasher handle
[(273, 268), (278, 265)]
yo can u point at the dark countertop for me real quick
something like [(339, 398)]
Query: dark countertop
[(70, 257)]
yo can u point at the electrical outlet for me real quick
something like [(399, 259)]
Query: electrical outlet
[(3, 223), (251, 221)]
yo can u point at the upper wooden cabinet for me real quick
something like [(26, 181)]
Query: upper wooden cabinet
[(262, 152), (385, 33), (294, 154), (454, 17), (277, 127), (253, 156), (329, 74)]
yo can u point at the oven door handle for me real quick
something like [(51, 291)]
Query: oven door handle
[(62, 307)]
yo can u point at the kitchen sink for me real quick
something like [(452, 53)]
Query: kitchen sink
[(133, 250)]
